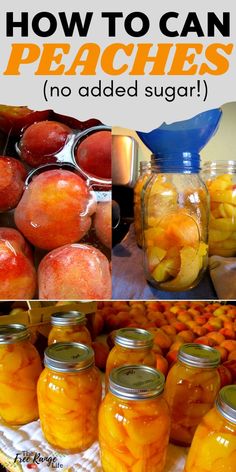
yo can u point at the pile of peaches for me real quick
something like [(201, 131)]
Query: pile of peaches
[(54, 210), (173, 324)]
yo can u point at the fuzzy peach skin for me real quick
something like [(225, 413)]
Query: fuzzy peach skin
[(40, 142), (17, 273), (214, 445), (133, 435), (20, 367), (17, 241), (74, 271), (55, 209), (12, 179), (68, 408), (102, 223)]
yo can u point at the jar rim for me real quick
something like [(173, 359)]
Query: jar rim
[(68, 318), (134, 338), (68, 357), (136, 382), (199, 355), (14, 332), (226, 402)]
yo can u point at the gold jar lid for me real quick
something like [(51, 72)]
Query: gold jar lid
[(68, 357), (12, 333), (136, 382), (68, 318), (226, 402), (133, 338), (199, 355)]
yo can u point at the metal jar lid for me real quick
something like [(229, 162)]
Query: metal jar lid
[(68, 318), (226, 402), (68, 357), (136, 382), (199, 355), (12, 333), (133, 338)]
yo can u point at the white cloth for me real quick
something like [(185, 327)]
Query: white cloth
[(223, 275)]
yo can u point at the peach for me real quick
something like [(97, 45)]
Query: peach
[(179, 326), (162, 364), (93, 154), (225, 375), (98, 324), (231, 366), (101, 352), (187, 336), (206, 341), (171, 356), (17, 273), (161, 338), (74, 271), (170, 330), (229, 344), (218, 337), (232, 356), (55, 209), (102, 223), (176, 345), (200, 330), (40, 142), (223, 353), (228, 333), (12, 180), (17, 241)]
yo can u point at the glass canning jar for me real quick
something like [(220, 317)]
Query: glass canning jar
[(214, 444), (69, 394), (191, 387), (132, 346), (175, 221), (20, 367), (220, 178), (144, 172), (69, 326), (134, 421)]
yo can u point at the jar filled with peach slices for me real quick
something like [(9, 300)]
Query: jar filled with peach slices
[(20, 367), (132, 346), (69, 327), (220, 178), (134, 421), (192, 385), (69, 395), (175, 217), (144, 172), (214, 444)]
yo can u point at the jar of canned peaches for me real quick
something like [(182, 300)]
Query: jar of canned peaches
[(214, 444), (69, 327), (20, 367), (175, 215), (220, 178), (69, 395), (192, 385), (134, 421), (132, 346), (144, 172)]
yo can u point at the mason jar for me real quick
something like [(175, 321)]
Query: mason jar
[(20, 367), (69, 326), (134, 421), (132, 346), (144, 172), (175, 221), (69, 394), (192, 385), (220, 178), (214, 444)]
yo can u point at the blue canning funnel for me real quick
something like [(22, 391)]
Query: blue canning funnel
[(176, 146)]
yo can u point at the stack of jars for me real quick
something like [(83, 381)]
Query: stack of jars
[(137, 416)]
